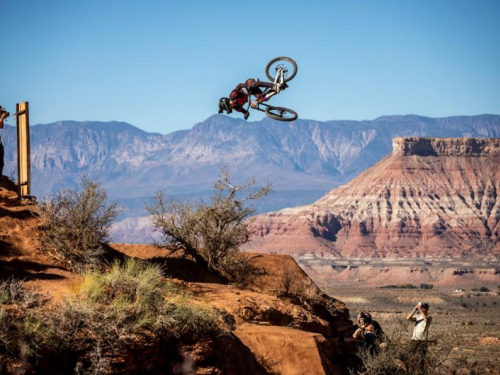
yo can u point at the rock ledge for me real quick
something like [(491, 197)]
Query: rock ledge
[(407, 146)]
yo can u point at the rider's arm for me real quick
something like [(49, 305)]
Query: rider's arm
[(240, 109), (239, 87), (263, 84), (410, 316)]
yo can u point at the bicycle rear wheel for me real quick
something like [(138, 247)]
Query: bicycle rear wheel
[(281, 114), (289, 68)]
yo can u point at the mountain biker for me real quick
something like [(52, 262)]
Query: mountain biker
[(239, 96)]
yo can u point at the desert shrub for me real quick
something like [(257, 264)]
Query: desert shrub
[(76, 225), (288, 279), (133, 299), (194, 321), (13, 292), (484, 289), (129, 297), (111, 309), (15, 301), (211, 233), (426, 286)]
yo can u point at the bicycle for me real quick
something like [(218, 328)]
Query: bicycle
[(280, 71)]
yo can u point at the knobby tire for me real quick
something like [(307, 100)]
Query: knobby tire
[(290, 76), (276, 116)]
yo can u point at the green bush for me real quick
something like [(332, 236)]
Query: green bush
[(76, 225), (403, 286), (131, 304), (133, 298), (426, 286)]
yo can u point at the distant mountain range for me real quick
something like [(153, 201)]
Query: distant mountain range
[(303, 160)]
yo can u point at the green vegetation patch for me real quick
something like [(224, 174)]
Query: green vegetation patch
[(129, 305)]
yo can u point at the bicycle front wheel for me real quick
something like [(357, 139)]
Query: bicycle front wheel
[(287, 64), (281, 114)]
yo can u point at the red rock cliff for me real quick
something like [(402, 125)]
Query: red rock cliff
[(432, 198)]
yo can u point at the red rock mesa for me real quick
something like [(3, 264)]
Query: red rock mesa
[(430, 199)]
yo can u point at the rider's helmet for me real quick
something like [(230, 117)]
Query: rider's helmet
[(250, 82), (224, 105)]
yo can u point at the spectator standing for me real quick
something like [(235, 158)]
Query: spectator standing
[(3, 115), (418, 346)]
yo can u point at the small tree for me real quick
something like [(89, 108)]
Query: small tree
[(211, 233), (76, 224)]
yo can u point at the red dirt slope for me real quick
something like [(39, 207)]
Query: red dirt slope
[(299, 334)]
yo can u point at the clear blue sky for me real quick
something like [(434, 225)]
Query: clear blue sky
[(162, 65)]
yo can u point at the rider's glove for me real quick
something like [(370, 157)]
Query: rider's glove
[(245, 116)]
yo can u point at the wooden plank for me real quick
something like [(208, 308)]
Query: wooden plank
[(23, 150)]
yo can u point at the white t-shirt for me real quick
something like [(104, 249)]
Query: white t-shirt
[(421, 328)]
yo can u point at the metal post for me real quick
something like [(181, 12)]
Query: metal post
[(23, 150)]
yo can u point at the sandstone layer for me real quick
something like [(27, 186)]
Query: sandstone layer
[(431, 199)]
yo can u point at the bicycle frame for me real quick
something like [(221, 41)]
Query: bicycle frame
[(269, 92)]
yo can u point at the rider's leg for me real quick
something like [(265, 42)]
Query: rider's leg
[(261, 97)]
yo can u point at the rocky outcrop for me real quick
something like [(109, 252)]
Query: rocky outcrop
[(270, 329), (407, 146), (430, 199)]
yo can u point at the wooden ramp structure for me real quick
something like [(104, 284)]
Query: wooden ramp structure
[(23, 150)]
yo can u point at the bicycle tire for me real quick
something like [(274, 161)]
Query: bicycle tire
[(282, 59), (280, 113)]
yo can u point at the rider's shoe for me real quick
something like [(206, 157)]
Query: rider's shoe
[(245, 116)]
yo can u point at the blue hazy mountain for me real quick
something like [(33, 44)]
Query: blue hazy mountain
[(303, 159)]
